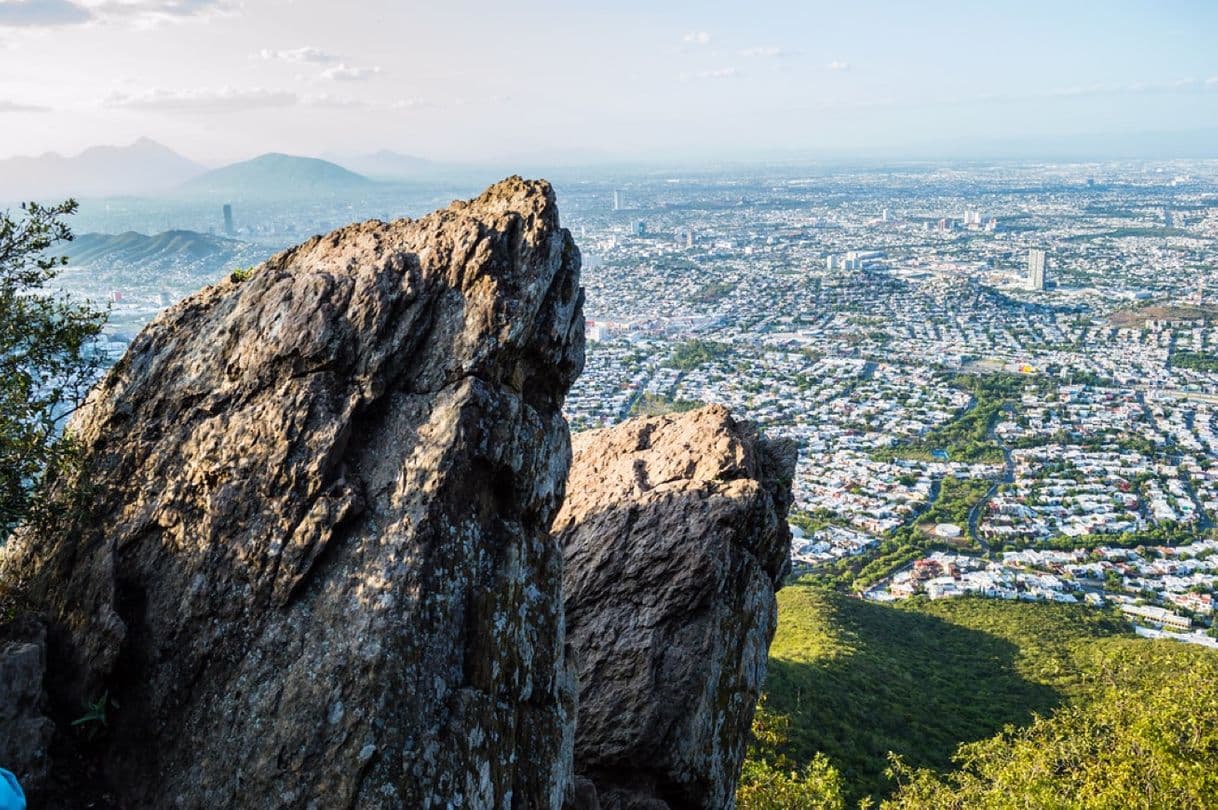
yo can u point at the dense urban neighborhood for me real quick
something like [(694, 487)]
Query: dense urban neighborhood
[(996, 376), (1002, 382)]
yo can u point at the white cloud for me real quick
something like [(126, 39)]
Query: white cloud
[(140, 13), (343, 72), (18, 107), (224, 100), (697, 38), (768, 52), (838, 64), (414, 104), (42, 13), (718, 73), (328, 101), (1175, 86), (314, 56)]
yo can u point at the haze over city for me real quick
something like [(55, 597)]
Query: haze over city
[(221, 80), (597, 406)]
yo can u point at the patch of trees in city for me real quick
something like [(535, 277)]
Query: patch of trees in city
[(692, 353)]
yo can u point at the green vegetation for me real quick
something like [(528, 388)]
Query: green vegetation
[(656, 405), (713, 291), (1166, 533), (957, 497), (857, 680), (693, 353), (967, 437), (241, 274), (48, 358), (814, 520), (1155, 232), (95, 719), (770, 780), (1150, 739), (1197, 361)]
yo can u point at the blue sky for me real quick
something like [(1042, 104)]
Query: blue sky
[(225, 79)]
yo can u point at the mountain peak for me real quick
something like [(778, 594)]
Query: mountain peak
[(276, 174), (142, 167)]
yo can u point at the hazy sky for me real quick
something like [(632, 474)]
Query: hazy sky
[(475, 79)]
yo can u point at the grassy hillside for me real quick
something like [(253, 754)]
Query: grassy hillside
[(856, 680)]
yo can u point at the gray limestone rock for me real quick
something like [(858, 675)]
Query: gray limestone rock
[(314, 569), (675, 539)]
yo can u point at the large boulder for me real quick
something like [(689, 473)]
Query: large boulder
[(675, 538), (314, 566)]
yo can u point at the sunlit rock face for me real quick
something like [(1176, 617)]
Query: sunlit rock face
[(675, 539), (314, 569)]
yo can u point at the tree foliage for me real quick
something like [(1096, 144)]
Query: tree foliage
[(48, 357), (770, 780), (854, 681), (1150, 740)]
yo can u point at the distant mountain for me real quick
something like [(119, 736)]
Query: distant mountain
[(389, 165), (275, 175), (143, 167), (187, 251)]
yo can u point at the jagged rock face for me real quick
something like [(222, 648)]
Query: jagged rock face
[(675, 538), (25, 731), (316, 569)]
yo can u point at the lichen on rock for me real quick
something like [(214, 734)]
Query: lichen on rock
[(316, 567), (675, 539)]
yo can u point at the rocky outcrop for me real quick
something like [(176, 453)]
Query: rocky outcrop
[(314, 569), (25, 730), (675, 538)]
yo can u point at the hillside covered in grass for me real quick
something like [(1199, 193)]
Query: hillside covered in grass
[(851, 681)]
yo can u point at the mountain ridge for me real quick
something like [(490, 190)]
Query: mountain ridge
[(276, 174), (142, 167)]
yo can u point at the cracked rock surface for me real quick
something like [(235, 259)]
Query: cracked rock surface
[(314, 569), (675, 539)]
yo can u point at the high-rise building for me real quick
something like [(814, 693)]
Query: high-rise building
[(617, 201), (885, 217), (228, 219), (1168, 221), (1036, 269), (640, 228)]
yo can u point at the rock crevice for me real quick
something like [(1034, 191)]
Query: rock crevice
[(320, 530), (321, 561)]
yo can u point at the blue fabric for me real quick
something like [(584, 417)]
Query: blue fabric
[(11, 795)]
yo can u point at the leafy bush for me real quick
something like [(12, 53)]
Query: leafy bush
[(1149, 740), (769, 779), (853, 681), (48, 357)]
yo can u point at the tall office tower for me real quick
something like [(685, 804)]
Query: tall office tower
[(689, 239), (884, 217), (640, 228), (617, 201), (1168, 221), (1036, 269), (228, 219)]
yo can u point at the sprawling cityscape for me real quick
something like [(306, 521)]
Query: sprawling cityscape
[(1002, 379)]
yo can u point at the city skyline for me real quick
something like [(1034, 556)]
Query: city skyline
[(220, 80)]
